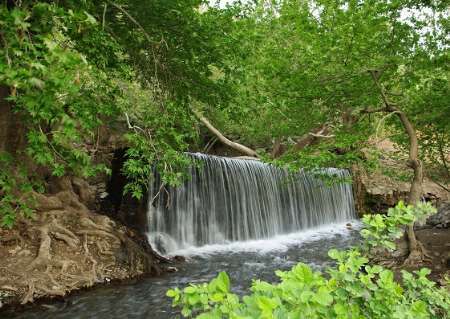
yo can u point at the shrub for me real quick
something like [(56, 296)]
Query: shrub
[(351, 289)]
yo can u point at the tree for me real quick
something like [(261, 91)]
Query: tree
[(67, 68), (328, 65)]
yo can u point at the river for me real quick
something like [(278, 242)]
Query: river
[(243, 261)]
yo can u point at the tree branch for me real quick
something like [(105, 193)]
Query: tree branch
[(238, 147), (129, 16)]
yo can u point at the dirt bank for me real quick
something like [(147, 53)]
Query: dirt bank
[(66, 247)]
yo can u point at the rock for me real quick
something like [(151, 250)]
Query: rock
[(442, 218), (376, 191), (179, 258)]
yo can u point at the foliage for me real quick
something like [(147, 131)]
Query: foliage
[(382, 230), (59, 95), (310, 66), (16, 188), (262, 71), (72, 67), (351, 289)]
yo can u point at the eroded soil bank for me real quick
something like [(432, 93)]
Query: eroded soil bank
[(66, 247)]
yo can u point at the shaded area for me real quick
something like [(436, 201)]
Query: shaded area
[(146, 297)]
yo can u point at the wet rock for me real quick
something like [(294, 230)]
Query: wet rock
[(178, 258), (442, 218)]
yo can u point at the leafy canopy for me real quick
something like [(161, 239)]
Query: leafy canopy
[(74, 68)]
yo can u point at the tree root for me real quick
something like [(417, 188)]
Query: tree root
[(71, 255), (417, 256), (64, 234), (43, 257), (30, 293), (14, 237), (98, 233)]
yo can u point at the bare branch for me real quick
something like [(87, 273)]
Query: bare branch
[(381, 122), (129, 16), (238, 147), (104, 16), (322, 136)]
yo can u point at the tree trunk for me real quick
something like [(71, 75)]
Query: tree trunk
[(277, 149), (443, 157), (416, 253), (12, 128), (416, 249), (236, 146), (312, 137)]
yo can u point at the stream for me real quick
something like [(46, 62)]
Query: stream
[(243, 261)]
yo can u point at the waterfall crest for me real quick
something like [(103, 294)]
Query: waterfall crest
[(236, 200)]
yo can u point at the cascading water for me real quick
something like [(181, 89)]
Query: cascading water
[(237, 200)]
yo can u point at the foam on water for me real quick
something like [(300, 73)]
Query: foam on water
[(279, 243)]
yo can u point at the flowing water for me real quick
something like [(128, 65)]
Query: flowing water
[(243, 261), (239, 216), (230, 200)]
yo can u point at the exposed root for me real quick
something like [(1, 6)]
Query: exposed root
[(88, 223), (417, 256), (64, 234), (98, 233), (43, 257), (68, 240), (89, 257), (53, 292), (73, 249), (103, 249), (14, 237), (30, 293)]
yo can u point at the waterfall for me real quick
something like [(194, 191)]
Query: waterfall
[(236, 200)]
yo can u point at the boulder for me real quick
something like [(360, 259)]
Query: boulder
[(442, 218)]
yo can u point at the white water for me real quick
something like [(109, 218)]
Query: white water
[(233, 200), (278, 244)]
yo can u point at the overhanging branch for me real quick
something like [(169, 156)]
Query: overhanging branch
[(236, 146)]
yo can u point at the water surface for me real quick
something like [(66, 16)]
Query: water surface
[(243, 261)]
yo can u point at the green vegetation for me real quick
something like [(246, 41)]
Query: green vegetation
[(306, 84), (381, 230), (72, 68), (353, 288), (312, 77)]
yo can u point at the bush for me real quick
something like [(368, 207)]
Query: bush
[(351, 289)]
